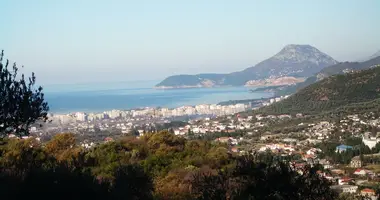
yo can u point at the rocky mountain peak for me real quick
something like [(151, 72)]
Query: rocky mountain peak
[(300, 53), (298, 47), (294, 61)]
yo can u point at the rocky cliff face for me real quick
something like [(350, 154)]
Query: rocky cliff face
[(286, 80)]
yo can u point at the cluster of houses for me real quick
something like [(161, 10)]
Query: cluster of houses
[(278, 148), (357, 180), (211, 126), (355, 183), (228, 124)]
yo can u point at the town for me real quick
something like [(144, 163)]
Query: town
[(346, 147), (98, 126)]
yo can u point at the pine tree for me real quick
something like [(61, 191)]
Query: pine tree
[(21, 103)]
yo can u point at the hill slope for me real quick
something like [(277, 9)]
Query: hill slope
[(342, 68), (377, 54), (332, 92), (292, 61), (339, 68)]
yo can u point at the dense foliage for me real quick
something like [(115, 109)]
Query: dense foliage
[(155, 166), (21, 103), (294, 88)]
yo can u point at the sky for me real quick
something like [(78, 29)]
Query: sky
[(79, 41)]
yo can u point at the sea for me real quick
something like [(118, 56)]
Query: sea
[(99, 97)]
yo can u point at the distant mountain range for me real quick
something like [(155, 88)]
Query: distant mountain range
[(289, 66), (337, 91)]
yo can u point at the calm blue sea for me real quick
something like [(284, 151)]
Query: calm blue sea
[(98, 97)]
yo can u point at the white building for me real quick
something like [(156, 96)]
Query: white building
[(370, 141), (80, 116), (113, 114), (63, 119), (345, 188)]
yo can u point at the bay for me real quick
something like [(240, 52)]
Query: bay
[(98, 97)]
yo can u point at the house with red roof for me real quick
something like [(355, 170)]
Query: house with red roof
[(344, 180), (360, 172), (108, 139), (368, 192), (235, 149)]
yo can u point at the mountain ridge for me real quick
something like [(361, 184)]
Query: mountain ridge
[(376, 54), (331, 93), (293, 60), (339, 68)]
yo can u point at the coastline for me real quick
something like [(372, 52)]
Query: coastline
[(100, 101), (191, 87), (252, 102), (267, 82)]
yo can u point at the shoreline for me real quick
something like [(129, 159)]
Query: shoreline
[(192, 87), (221, 103), (226, 95)]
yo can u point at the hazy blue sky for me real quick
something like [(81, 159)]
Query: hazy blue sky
[(100, 41)]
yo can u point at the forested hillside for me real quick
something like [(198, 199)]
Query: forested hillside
[(157, 166), (331, 93)]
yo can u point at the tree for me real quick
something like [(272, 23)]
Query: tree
[(105, 159), (174, 186), (164, 142), (21, 103), (54, 183), (252, 179), (347, 196), (134, 132), (131, 183), (22, 155), (63, 147)]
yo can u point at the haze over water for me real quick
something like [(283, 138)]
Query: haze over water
[(98, 97)]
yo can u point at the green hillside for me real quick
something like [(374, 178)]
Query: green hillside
[(331, 93), (294, 88)]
